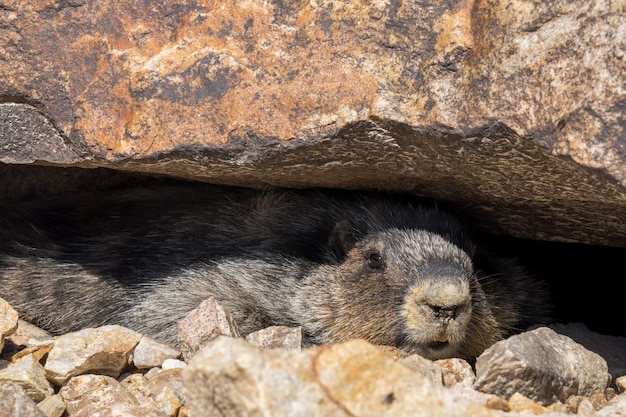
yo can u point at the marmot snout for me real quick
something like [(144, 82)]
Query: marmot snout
[(437, 312), (340, 264)]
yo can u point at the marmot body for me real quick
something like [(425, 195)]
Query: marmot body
[(340, 264)]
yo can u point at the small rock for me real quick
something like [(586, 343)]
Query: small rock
[(611, 348), (28, 334), (162, 392), (104, 350), (150, 353), (52, 406), (102, 396), (520, 403), (620, 382), (8, 321), (173, 364), (616, 407), (171, 379), (37, 349), (586, 408), (456, 371), (496, 403), (423, 366), (152, 372), (14, 402), (610, 393), (168, 402), (572, 403), (203, 324), (28, 373), (542, 365), (480, 398), (137, 384), (598, 400), (232, 377), (100, 389), (277, 337)]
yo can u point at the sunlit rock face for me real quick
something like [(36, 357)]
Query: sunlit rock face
[(512, 111)]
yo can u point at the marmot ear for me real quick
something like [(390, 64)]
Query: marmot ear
[(342, 238)]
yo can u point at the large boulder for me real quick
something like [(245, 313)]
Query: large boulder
[(510, 110)]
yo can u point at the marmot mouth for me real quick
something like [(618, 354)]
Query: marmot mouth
[(437, 345)]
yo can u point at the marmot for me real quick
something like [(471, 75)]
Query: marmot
[(340, 264)]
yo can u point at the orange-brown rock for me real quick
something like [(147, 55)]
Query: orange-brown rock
[(472, 102)]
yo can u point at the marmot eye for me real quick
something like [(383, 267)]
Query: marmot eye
[(375, 260)]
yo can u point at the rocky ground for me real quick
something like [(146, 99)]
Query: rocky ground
[(114, 371)]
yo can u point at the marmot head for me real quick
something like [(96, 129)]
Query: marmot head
[(414, 288)]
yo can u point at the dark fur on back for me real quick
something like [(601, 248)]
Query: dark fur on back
[(146, 256)]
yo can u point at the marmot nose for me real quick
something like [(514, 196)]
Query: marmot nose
[(444, 312)]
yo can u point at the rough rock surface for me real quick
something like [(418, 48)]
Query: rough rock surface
[(8, 321), (105, 350), (541, 365), (424, 367), (150, 353), (473, 102), (611, 348), (277, 337), (232, 377), (162, 391), (52, 406), (30, 375), (456, 371), (203, 324), (103, 396), (15, 402)]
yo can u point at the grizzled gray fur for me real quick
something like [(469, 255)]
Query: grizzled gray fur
[(340, 264)]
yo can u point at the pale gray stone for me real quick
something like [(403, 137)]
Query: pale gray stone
[(277, 337), (52, 406), (173, 364), (105, 350), (203, 324), (611, 348), (423, 366), (150, 353), (14, 402), (541, 365), (152, 372), (30, 374)]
